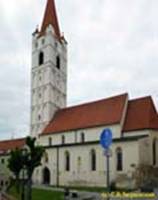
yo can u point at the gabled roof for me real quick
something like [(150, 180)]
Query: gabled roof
[(104, 112), (50, 18), (7, 145), (141, 114)]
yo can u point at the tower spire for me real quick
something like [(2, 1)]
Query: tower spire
[(50, 18)]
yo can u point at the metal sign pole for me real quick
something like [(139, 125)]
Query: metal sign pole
[(106, 142), (107, 153), (108, 172)]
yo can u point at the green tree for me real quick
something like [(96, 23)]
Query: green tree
[(26, 159), (33, 159), (15, 164)]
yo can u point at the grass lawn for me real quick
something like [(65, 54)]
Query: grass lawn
[(39, 194), (89, 189)]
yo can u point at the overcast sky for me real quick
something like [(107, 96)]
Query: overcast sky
[(113, 48)]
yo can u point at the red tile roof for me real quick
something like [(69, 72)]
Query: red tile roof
[(11, 144), (141, 114), (104, 112), (50, 17)]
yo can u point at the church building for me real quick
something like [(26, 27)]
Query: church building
[(70, 135)]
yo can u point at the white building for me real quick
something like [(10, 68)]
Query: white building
[(71, 135)]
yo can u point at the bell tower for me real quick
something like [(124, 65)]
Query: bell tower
[(49, 71)]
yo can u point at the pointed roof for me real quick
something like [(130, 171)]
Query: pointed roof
[(50, 17)]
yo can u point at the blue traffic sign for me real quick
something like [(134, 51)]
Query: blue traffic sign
[(106, 138)]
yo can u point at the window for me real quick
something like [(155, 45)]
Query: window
[(58, 62), (41, 58), (119, 159), (63, 139), (2, 161), (36, 45), (46, 157), (67, 161), (39, 117), (79, 163), (93, 160), (56, 44), (154, 151), (50, 141), (2, 183), (43, 41), (32, 128), (82, 137)]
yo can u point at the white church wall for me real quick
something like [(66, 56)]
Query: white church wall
[(91, 134), (81, 173), (84, 175), (136, 133), (146, 148), (153, 137), (51, 164), (144, 151), (154, 134)]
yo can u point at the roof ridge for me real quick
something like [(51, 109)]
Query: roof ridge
[(95, 101), (141, 98)]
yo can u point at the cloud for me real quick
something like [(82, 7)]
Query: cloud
[(113, 49)]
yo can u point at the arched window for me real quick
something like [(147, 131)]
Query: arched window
[(39, 117), (93, 160), (154, 151), (2, 161), (82, 137), (46, 176), (41, 58), (63, 139), (39, 95), (67, 161), (119, 159), (58, 62), (50, 141), (46, 159), (2, 183)]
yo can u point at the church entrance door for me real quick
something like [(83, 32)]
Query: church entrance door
[(46, 176)]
